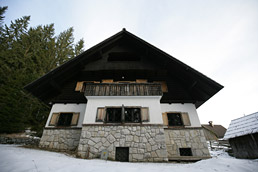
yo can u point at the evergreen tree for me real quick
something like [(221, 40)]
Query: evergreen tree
[(27, 53)]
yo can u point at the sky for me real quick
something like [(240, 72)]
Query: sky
[(219, 38)]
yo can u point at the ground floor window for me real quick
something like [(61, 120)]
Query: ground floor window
[(185, 152), (64, 119)]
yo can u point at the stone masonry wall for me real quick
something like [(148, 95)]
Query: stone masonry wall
[(186, 138), (146, 143), (60, 139)]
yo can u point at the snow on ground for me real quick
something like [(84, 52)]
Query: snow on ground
[(18, 159)]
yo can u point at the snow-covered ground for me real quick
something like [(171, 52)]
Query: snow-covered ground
[(17, 159)]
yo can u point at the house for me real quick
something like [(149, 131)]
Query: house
[(213, 132), (242, 134), (128, 99)]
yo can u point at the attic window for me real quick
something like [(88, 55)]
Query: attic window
[(123, 56)]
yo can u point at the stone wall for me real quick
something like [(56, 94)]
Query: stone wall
[(146, 143), (32, 141), (60, 139), (186, 138)]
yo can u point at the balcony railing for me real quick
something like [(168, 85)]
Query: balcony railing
[(123, 89)]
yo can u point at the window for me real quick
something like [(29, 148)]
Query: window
[(122, 154), (132, 115), (114, 115), (64, 119), (185, 152), (122, 114), (175, 119)]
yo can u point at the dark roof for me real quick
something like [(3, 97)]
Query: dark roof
[(218, 130), (200, 85)]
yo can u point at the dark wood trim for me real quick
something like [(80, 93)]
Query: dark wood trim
[(183, 128), (63, 128), (124, 124)]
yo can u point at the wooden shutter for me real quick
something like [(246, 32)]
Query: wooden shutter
[(165, 118), (54, 119), (164, 86), (100, 114), (75, 119), (79, 86), (141, 80), (107, 81), (185, 118), (145, 114)]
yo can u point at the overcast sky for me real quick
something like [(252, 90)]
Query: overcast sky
[(219, 38)]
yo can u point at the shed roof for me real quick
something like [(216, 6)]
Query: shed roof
[(242, 126), (218, 130)]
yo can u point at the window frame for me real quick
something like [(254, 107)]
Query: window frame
[(185, 122), (58, 117), (104, 115)]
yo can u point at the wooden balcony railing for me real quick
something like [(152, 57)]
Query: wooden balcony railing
[(123, 89)]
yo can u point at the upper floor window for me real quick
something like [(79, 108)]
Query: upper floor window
[(175, 119), (122, 114)]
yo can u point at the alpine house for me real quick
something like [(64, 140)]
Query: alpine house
[(128, 98)]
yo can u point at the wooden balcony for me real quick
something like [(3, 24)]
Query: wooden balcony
[(123, 89)]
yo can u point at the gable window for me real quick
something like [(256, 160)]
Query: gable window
[(174, 119), (122, 114), (65, 119)]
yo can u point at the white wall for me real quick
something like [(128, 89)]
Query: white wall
[(58, 107), (186, 107), (153, 102)]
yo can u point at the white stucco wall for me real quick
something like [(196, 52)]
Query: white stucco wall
[(152, 102), (186, 107), (56, 108)]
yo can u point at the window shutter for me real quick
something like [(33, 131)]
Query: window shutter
[(165, 118), (100, 114), (141, 80), (54, 119), (145, 114), (107, 81), (164, 86), (185, 118), (79, 86), (75, 119)]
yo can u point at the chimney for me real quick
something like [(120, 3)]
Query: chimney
[(211, 123)]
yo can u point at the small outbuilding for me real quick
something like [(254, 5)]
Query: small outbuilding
[(242, 134), (213, 132)]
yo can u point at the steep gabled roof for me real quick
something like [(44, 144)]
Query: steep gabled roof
[(242, 126), (199, 84), (218, 130)]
